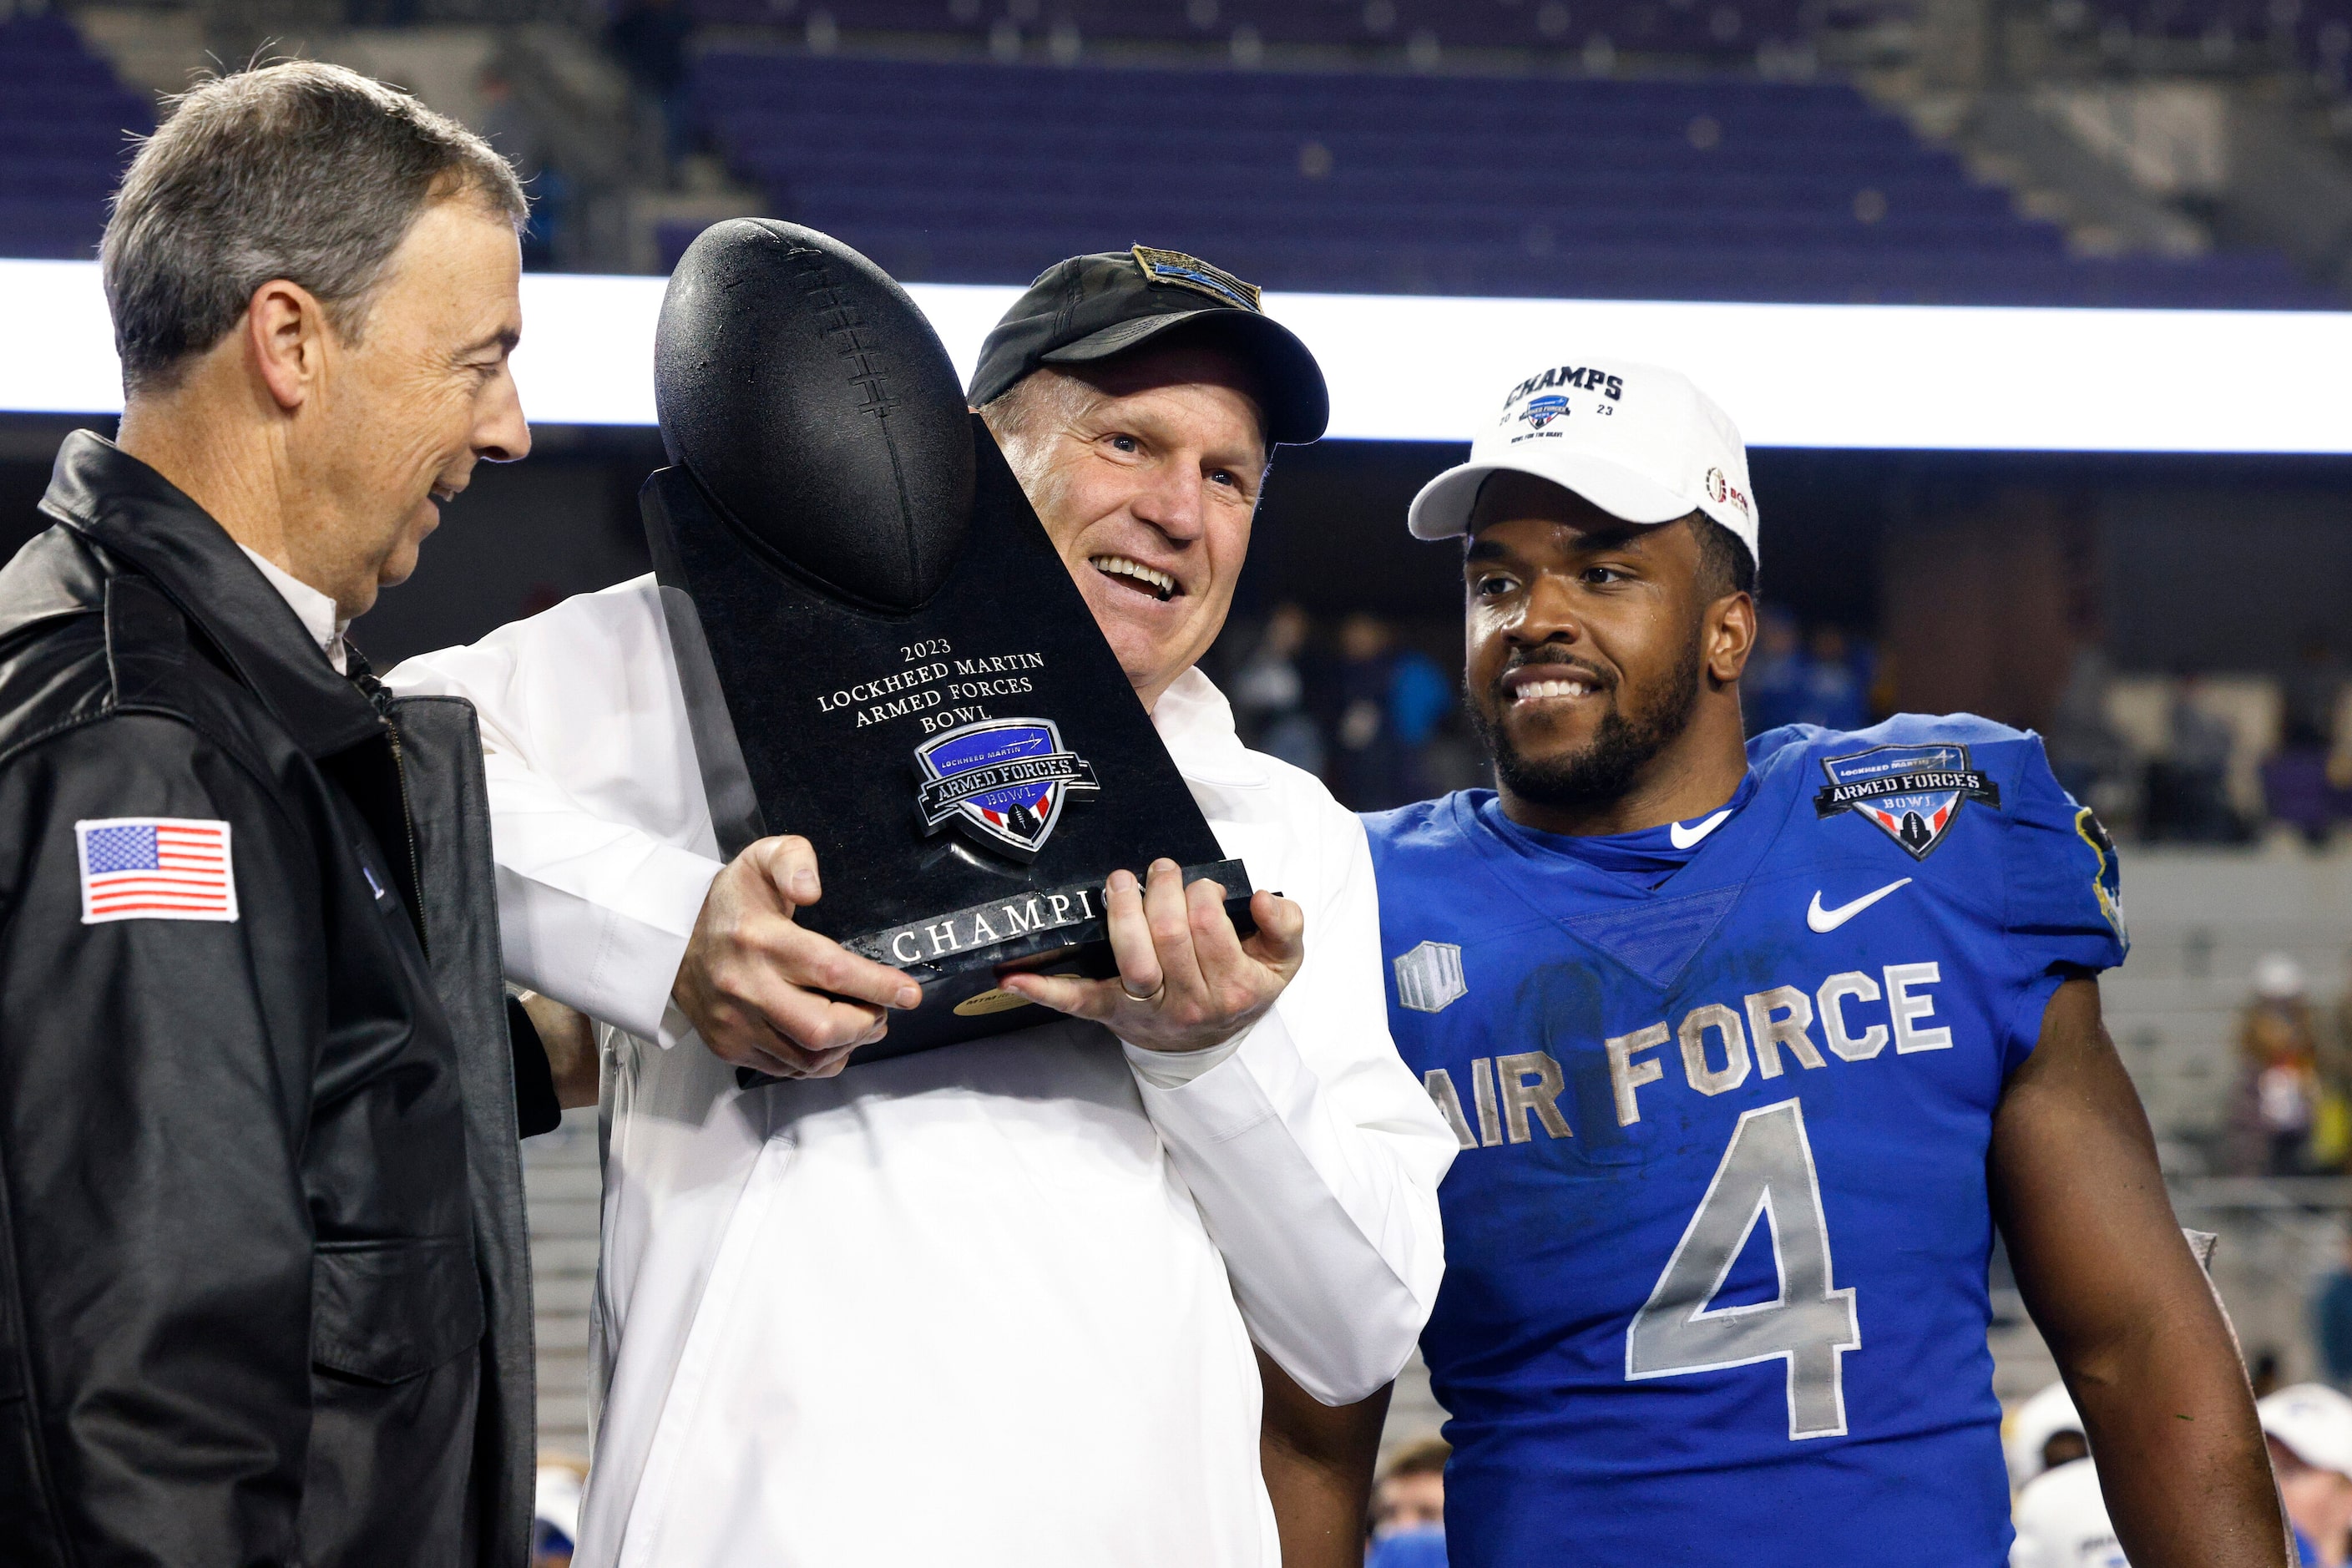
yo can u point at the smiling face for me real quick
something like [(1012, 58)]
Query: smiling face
[(1602, 661), (1145, 471), (407, 409)]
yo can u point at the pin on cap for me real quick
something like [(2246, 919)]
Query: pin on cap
[(1639, 441), (1091, 308)]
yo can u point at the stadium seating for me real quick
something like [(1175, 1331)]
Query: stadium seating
[(1717, 28), (64, 129), (1715, 189), (2314, 34)]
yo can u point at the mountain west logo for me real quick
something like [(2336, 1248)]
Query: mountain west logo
[(1911, 792), (1002, 781), (1541, 411)]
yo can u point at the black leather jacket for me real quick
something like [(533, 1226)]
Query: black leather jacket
[(264, 1292)]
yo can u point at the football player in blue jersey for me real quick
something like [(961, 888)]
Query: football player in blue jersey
[(1750, 1047)]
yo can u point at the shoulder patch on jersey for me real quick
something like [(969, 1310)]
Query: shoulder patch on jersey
[(1428, 978), (155, 868), (2106, 876), (1910, 793)]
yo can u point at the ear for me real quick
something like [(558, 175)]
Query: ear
[(1730, 637), (286, 336)]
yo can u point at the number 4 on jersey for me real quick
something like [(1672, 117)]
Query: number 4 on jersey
[(1768, 1171)]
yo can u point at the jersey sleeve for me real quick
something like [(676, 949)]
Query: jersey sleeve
[(2064, 913)]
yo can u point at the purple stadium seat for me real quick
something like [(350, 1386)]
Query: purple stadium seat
[(1735, 189), (64, 131)]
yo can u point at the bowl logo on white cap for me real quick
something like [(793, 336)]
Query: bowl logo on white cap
[(1721, 490), (1541, 411)]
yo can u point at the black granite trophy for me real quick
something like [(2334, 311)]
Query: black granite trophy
[(881, 649)]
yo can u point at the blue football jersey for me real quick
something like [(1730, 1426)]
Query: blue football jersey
[(1716, 1242)]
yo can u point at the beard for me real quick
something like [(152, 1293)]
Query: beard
[(1636, 728)]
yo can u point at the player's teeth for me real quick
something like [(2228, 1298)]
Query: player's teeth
[(1534, 689), (1119, 566)]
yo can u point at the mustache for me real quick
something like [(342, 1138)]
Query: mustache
[(1601, 679)]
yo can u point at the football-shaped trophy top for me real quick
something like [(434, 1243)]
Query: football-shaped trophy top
[(879, 647), (817, 409)]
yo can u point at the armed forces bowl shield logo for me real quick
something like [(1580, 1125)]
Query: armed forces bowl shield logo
[(1910, 793), (1003, 782), (1541, 411)]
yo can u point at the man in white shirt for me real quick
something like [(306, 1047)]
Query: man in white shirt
[(993, 1303)]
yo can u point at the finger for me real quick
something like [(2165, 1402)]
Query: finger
[(1216, 945), (1169, 914), (1280, 942), (789, 862), (1069, 995), (1130, 935), (816, 963), (809, 1019), (746, 1040)]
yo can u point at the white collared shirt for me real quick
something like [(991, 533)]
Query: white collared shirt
[(319, 614), (990, 1304)]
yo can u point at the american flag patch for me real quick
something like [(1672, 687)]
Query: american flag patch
[(155, 868)]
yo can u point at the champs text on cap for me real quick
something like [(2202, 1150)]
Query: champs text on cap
[(1191, 272)]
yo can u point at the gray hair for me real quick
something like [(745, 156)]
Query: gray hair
[(1045, 396), (301, 171)]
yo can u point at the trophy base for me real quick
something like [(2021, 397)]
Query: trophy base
[(961, 958)]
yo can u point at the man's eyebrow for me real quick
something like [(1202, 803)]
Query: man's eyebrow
[(1483, 549), (1624, 536)]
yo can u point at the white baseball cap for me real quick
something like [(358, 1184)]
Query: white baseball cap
[(2062, 1521), (2316, 1424), (2030, 1427), (1638, 441)]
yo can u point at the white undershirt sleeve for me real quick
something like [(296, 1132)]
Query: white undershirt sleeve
[(600, 876), (1314, 1156), (591, 912)]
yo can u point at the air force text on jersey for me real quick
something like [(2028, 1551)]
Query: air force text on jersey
[(1717, 1238), (1720, 1044)]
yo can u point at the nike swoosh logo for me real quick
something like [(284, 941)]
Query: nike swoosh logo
[(1685, 837), (1820, 919)]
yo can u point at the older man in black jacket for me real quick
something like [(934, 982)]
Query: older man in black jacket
[(263, 1289)]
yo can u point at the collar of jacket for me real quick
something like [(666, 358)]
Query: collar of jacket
[(113, 500)]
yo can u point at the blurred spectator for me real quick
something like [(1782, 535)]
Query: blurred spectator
[(2310, 1431), (510, 128), (2062, 1521), (555, 1524), (648, 40), (1772, 686), (1793, 680), (2295, 781), (1837, 682), (1270, 694), (1409, 1510), (1389, 701), (2188, 788), (2331, 1140), (2278, 1046), (2085, 752), (2308, 697), (2331, 1320), (2042, 1433)]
